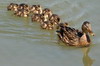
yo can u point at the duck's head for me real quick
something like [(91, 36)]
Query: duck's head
[(86, 28)]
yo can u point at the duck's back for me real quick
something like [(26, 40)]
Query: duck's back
[(71, 36)]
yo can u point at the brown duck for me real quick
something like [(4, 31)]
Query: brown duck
[(73, 37)]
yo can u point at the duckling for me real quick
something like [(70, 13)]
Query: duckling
[(74, 37), (39, 18), (36, 18), (47, 25), (47, 12), (12, 7), (25, 13), (17, 13), (23, 6), (36, 9), (44, 17), (55, 19), (22, 13), (43, 25)]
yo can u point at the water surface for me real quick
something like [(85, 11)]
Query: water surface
[(23, 43)]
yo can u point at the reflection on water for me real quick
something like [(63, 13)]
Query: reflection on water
[(87, 60)]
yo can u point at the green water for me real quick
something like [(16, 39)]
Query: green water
[(23, 43)]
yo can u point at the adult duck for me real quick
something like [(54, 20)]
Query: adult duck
[(73, 37)]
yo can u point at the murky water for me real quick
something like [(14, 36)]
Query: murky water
[(23, 43)]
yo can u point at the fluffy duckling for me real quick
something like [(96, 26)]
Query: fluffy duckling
[(44, 17), (73, 37), (39, 18), (23, 6), (47, 25), (47, 12), (36, 18), (22, 13), (12, 7), (55, 19), (36, 9)]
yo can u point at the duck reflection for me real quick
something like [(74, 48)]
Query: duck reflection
[(87, 61)]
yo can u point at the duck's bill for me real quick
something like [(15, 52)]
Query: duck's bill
[(91, 33)]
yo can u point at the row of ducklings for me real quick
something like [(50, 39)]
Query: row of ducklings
[(47, 19), (21, 10), (46, 22), (70, 36)]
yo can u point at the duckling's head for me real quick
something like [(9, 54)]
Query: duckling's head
[(86, 28), (33, 7)]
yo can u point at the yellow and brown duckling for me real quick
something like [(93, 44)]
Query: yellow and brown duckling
[(12, 7), (23, 6), (73, 37), (36, 9), (39, 18), (47, 25), (36, 18), (22, 13), (44, 17), (55, 19), (47, 12)]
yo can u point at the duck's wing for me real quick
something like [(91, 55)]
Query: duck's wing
[(70, 36)]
